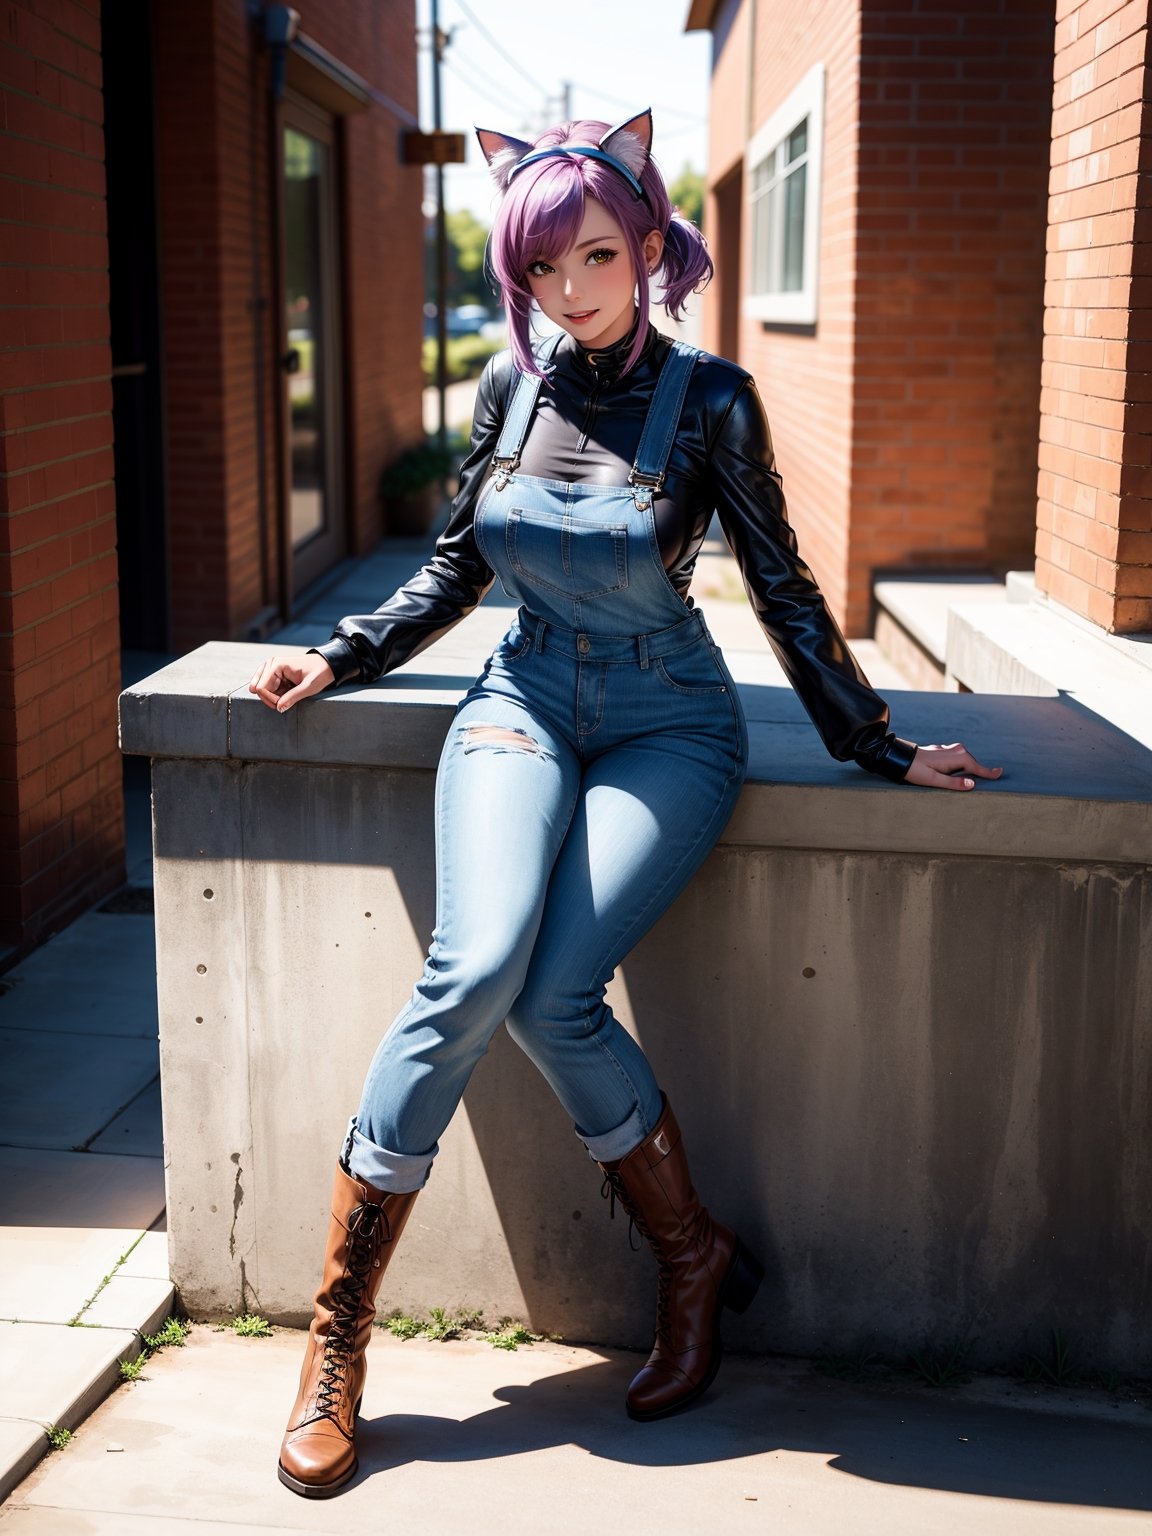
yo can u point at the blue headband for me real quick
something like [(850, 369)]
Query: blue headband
[(592, 154)]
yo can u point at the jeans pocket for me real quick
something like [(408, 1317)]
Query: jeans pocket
[(694, 669), (515, 644)]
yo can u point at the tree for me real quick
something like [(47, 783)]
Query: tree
[(466, 240), (687, 194)]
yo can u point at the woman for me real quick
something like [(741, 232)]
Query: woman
[(595, 761)]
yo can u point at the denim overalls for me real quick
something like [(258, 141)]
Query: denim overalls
[(589, 770)]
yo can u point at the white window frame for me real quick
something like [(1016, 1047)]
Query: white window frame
[(806, 101)]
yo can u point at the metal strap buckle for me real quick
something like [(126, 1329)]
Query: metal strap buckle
[(503, 469), (649, 482)]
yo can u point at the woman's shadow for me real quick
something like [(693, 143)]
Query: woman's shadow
[(896, 1438), (583, 1407)]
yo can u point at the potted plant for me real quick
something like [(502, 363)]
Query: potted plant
[(411, 488)]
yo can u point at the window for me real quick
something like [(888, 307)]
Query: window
[(784, 205)]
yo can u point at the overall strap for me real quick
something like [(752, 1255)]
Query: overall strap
[(663, 418), (520, 408)]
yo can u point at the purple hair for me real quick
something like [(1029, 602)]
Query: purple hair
[(541, 212)]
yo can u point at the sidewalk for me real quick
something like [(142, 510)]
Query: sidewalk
[(460, 1439)]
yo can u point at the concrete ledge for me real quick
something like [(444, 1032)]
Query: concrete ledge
[(906, 1032), (1100, 779)]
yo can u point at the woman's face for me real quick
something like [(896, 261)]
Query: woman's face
[(589, 290)]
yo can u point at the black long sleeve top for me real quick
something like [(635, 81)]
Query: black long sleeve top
[(587, 428)]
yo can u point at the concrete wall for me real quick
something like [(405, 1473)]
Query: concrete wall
[(907, 1034)]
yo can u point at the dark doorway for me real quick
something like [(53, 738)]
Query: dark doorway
[(312, 321), (137, 384)]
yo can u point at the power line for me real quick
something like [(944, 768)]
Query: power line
[(615, 101), (506, 105), (499, 47)]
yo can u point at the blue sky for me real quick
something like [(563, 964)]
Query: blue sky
[(619, 55)]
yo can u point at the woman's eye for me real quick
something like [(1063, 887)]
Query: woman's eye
[(601, 258), (538, 269)]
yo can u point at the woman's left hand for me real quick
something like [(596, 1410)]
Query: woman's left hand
[(951, 767)]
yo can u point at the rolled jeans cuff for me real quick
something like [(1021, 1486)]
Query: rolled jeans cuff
[(398, 1173), (613, 1145)]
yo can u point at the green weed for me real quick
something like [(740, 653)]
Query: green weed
[(440, 1327), (845, 1367), (250, 1325), (404, 1327), (58, 1437), (1057, 1368), (511, 1335), (174, 1332), (940, 1368), (132, 1370), (74, 1322)]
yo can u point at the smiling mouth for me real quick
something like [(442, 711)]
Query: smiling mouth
[(578, 316)]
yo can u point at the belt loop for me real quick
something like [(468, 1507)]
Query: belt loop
[(540, 628), (642, 645)]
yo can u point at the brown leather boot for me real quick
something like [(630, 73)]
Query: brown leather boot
[(703, 1268), (318, 1455)]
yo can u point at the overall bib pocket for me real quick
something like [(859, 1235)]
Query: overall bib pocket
[(563, 554)]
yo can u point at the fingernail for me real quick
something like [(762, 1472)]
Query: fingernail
[(969, 783)]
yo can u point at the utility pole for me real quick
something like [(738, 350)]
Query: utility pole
[(439, 41)]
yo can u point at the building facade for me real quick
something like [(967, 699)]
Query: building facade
[(928, 221), (211, 257)]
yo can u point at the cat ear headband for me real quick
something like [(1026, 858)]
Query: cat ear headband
[(626, 148)]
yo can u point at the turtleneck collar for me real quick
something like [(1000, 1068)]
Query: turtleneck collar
[(607, 363)]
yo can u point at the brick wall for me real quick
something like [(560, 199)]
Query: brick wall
[(212, 170), (61, 813), (955, 106), (806, 380), (1094, 534)]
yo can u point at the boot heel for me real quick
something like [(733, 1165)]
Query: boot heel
[(742, 1280)]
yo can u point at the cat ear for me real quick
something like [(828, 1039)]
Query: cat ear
[(631, 141), (502, 152)]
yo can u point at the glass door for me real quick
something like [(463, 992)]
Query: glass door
[(312, 325)]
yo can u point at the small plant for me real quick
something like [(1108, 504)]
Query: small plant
[(1057, 1368), (402, 1327), (415, 468), (250, 1325), (940, 1368), (173, 1332), (468, 1319), (440, 1327), (58, 1436), (845, 1367), (511, 1335), (132, 1370)]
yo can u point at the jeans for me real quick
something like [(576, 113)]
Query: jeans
[(583, 782)]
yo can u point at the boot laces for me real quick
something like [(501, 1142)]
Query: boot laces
[(367, 1229), (613, 1189)]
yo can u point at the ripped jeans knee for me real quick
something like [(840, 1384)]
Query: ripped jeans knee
[(500, 738)]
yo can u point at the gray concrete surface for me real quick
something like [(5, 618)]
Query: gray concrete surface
[(83, 1254), (1039, 647), (907, 1032), (460, 1438)]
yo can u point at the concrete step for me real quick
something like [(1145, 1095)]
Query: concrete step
[(912, 621)]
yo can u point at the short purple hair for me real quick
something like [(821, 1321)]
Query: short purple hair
[(540, 215)]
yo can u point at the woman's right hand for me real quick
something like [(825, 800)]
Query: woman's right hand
[(284, 680)]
